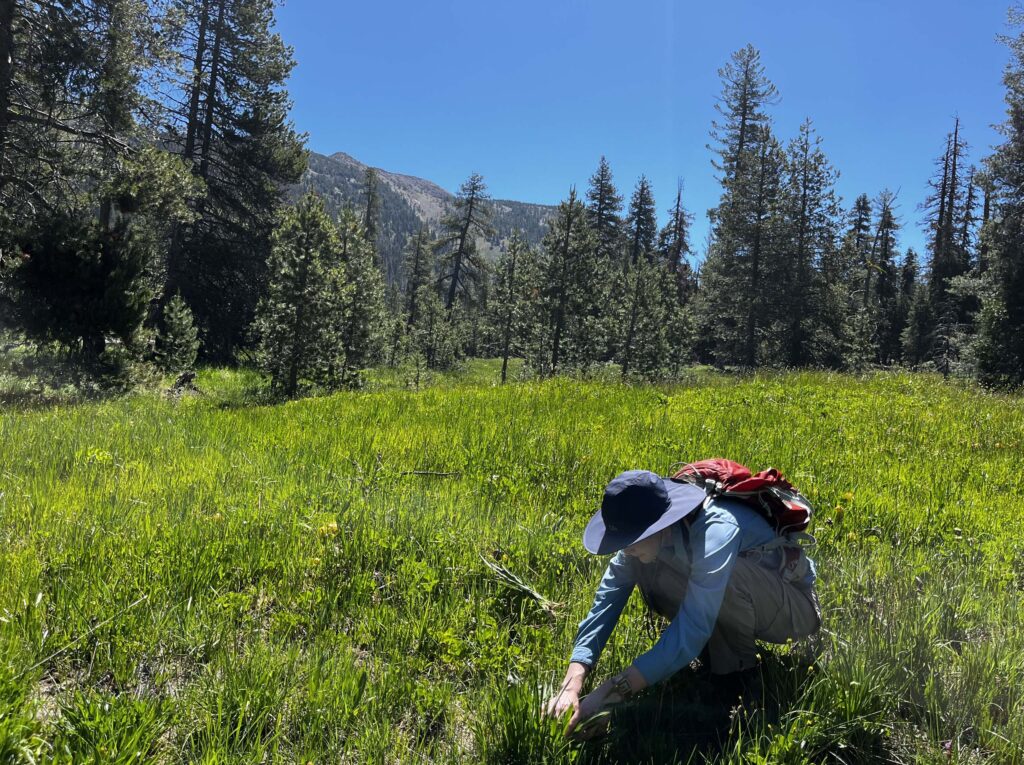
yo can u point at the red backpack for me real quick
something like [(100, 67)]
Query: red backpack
[(768, 491)]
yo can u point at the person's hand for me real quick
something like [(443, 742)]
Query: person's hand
[(564, 701), (568, 697), (589, 706)]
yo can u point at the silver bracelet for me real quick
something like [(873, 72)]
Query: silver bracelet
[(621, 684)]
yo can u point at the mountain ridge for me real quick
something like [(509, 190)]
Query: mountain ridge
[(408, 202)]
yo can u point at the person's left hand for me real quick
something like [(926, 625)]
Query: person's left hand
[(589, 706)]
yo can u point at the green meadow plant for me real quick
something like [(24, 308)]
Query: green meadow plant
[(392, 575)]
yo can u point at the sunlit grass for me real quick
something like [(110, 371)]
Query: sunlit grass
[(304, 582)]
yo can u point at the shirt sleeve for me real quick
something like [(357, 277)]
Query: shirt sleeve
[(611, 597), (714, 546)]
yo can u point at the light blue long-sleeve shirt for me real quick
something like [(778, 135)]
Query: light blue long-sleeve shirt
[(718, 534)]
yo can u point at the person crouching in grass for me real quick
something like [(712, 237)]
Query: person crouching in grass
[(714, 568)]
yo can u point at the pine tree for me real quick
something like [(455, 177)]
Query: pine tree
[(1000, 347), (750, 163), (227, 117), (604, 209), (177, 342), (298, 340), (918, 336), (371, 215), (646, 351), (83, 199), (810, 220), (436, 337), (746, 91), (907, 292), (645, 309), (460, 263), (856, 244), (844, 274), (642, 223), (418, 272), (949, 221), (510, 305), (986, 186), (430, 337), (359, 311), (742, 264), (83, 285), (558, 331), (884, 295), (47, 72), (674, 248), (673, 253)]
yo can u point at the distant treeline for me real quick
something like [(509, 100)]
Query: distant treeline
[(145, 151)]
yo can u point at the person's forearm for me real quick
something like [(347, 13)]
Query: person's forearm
[(610, 694), (574, 677)]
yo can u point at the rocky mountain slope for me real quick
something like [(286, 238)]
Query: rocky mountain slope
[(408, 202)]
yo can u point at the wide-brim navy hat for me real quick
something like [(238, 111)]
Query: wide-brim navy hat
[(636, 504)]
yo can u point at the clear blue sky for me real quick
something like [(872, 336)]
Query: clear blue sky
[(531, 93)]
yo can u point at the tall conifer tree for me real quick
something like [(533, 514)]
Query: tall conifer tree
[(1001, 321), (359, 317), (228, 119), (509, 308), (558, 337), (642, 223), (749, 161), (298, 338), (470, 217), (604, 210), (810, 221), (674, 247), (604, 216), (419, 272), (884, 294)]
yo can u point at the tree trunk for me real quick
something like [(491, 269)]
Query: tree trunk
[(6, 80), (939, 253), (211, 91), (174, 266), (460, 253), (870, 259), (951, 205), (93, 346), (192, 119)]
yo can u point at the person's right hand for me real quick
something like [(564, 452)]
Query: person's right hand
[(564, 701)]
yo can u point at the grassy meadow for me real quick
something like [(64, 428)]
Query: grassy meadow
[(396, 576)]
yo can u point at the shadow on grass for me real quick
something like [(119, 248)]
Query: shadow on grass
[(696, 716)]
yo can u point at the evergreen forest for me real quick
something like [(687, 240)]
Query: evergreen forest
[(154, 213)]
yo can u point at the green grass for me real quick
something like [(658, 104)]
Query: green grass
[(208, 580)]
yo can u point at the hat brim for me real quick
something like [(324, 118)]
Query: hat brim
[(683, 499)]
